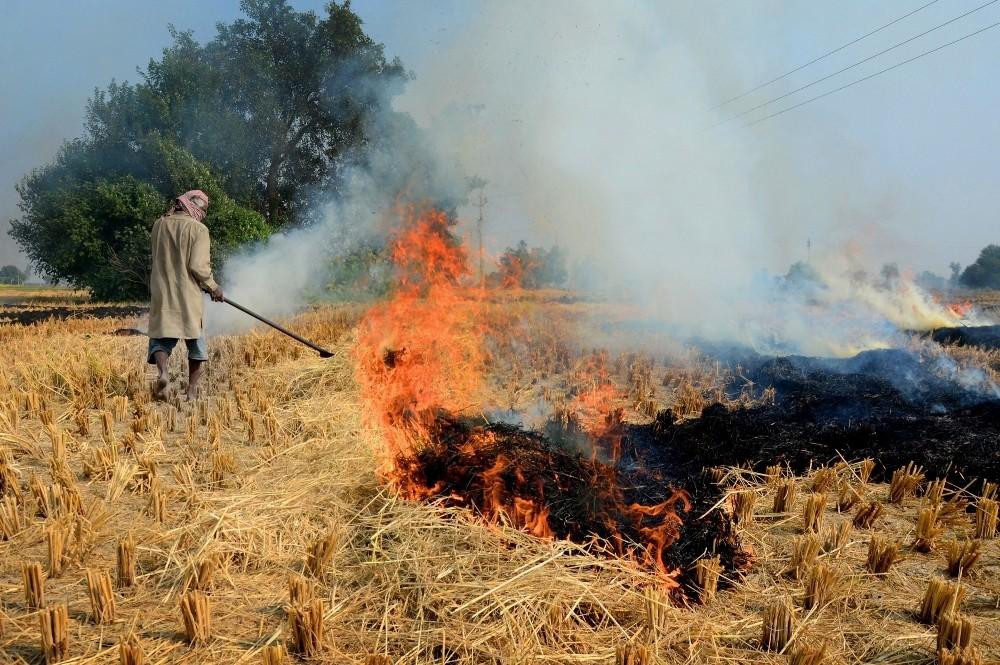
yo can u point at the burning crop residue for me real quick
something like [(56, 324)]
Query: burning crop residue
[(422, 358)]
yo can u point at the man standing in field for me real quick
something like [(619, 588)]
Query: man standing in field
[(181, 272)]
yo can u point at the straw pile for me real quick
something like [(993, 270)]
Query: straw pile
[(293, 546)]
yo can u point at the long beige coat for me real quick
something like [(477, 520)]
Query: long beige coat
[(181, 267)]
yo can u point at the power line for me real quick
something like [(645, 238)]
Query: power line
[(825, 55), (870, 76), (859, 62)]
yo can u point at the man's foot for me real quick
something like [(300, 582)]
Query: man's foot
[(160, 385)]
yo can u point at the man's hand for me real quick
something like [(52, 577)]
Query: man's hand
[(217, 294)]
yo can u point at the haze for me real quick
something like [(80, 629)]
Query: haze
[(590, 121)]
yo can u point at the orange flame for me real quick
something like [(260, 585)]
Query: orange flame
[(422, 355)]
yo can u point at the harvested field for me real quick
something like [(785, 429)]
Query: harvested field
[(258, 520)]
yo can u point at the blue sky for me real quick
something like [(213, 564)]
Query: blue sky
[(918, 145)]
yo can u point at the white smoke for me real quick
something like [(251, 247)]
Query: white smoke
[(592, 125)]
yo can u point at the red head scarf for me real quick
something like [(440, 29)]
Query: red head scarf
[(187, 201)]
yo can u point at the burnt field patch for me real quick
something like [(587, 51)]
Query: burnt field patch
[(30, 314), (891, 406)]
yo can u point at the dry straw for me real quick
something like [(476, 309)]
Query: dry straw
[(40, 494), (707, 573), (805, 549), (928, 529), (156, 509), (808, 654), (125, 562), (812, 513), (819, 585), (223, 464), (82, 421), (868, 514), (10, 518), (934, 493), (201, 572), (823, 479), (305, 624), (986, 518), (8, 475), (56, 536), (320, 553), (865, 469), (778, 625), (835, 538), (961, 557), (990, 490), (34, 585), (655, 602), (882, 554), (774, 475), (941, 596), (107, 427), (102, 599), (130, 651), (378, 659), (54, 626), (196, 614), (847, 497), (300, 590), (954, 631), (960, 657), (905, 482), (273, 655), (632, 654), (784, 496), (743, 502), (716, 474)]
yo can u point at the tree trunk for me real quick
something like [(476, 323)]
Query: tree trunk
[(271, 189)]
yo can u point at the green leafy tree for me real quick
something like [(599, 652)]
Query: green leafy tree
[(985, 272), (273, 103), (94, 232), (12, 275), (263, 116)]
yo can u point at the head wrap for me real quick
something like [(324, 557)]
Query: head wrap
[(186, 201)]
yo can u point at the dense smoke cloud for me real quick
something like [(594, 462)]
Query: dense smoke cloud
[(593, 126)]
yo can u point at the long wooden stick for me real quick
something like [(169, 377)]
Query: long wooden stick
[(323, 353)]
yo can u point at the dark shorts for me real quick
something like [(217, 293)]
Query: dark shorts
[(197, 348)]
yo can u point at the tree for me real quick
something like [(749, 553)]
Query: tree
[(931, 281), (272, 104), (268, 113), (12, 275), (890, 276), (956, 273), (535, 268), (985, 272), (94, 232)]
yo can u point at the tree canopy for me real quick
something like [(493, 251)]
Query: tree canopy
[(985, 272), (12, 275), (534, 268), (263, 117)]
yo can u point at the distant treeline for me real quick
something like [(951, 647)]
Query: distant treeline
[(984, 273)]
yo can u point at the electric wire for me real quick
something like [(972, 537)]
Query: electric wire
[(825, 55), (871, 76), (852, 66)]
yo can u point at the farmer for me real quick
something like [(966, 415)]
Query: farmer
[(181, 271)]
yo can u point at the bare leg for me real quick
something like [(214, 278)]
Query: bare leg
[(163, 379), (195, 369)]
